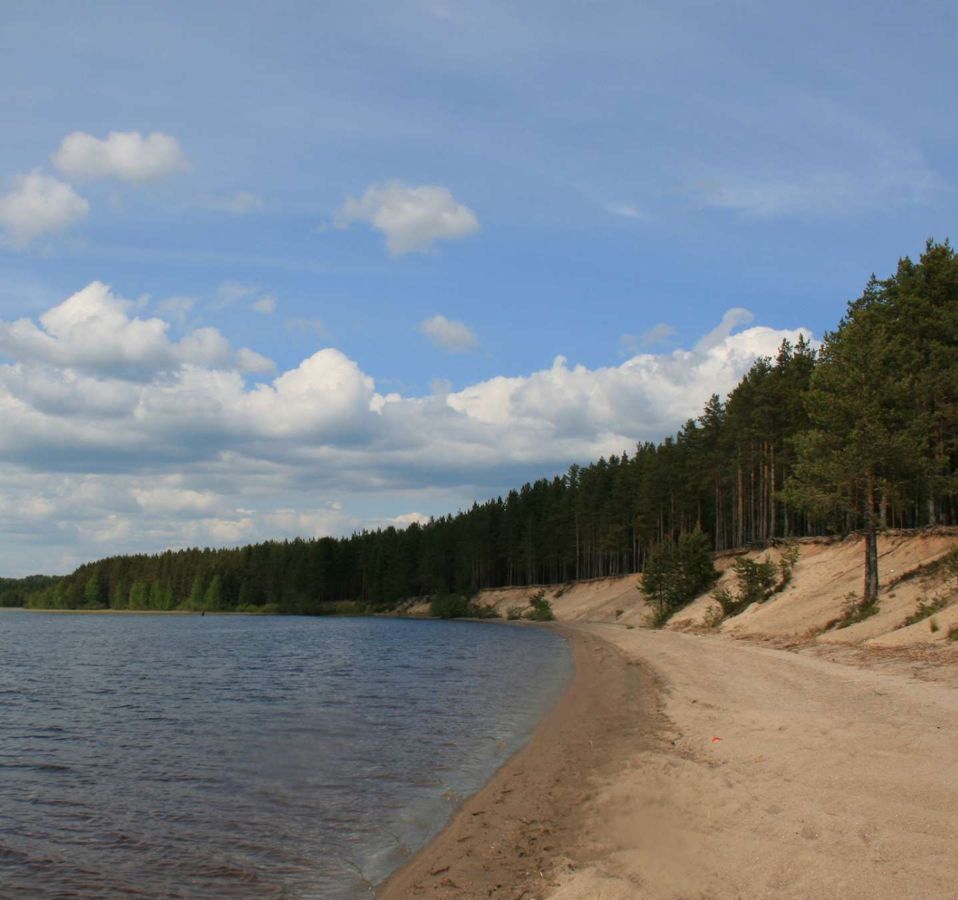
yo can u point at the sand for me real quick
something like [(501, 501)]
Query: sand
[(511, 838), (695, 766)]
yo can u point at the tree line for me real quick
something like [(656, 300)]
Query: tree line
[(859, 434)]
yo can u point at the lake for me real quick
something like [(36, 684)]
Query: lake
[(249, 756)]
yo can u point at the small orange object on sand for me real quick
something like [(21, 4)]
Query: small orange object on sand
[(715, 740)]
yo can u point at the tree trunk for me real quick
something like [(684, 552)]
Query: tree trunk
[(871, 566), (771, 497), (740, 526), (871, 546)]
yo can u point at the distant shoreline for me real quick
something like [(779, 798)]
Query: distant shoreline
[(135, 612)]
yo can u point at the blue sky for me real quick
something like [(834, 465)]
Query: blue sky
[(323, 257)]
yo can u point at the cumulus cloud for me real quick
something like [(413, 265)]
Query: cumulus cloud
[(93, 332), (39, 204), (456, 337), (411, 218), (113, 429), (126, 155)]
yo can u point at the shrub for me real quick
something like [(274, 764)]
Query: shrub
[(713, 617), (756, 581), (483, 611), (449, 606), (855, 611), (676, 573), (953, 633), (541, 608), (950, 564)]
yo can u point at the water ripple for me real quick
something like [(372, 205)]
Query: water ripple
[(249, 757)]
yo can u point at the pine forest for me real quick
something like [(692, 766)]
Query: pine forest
[(857, 434)]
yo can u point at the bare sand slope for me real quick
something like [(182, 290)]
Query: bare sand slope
[(828, 575), (777, 775)]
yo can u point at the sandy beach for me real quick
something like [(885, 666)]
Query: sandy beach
[(682, 765)]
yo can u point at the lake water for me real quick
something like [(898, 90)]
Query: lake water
[(248, 756)]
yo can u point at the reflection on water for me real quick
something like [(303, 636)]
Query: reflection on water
[(169, 756)]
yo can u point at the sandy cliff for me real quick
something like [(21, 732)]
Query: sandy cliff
[(828, 572)]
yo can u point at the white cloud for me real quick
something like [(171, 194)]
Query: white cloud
[(113, 430), (733, 318), (126, 155), (404, 520), (625, 211), (173, 500), (456, 337), (238, 203), (265, 304), (177, 308), (92, 332), (230, 292), (411, 218), (314, 523), (39, 204), (658, 333)]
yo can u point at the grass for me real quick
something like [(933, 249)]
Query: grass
[(925, 609), (855, 611)]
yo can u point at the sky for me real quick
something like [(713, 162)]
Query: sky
[(303, 268)]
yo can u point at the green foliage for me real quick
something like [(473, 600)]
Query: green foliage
[(925, 609), (855, 611), (139, 595), (953, 633), (756, 581), (196, 594), (93, 594), (541, 608), (213, 598), (949, 564), (456, 606), (449, 606), (883, 405), (676, 573), (19, 591)]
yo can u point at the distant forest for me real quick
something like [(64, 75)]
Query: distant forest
[(860, 434)]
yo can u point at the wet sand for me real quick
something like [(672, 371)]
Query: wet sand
[(695, 766), (524, 827)]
